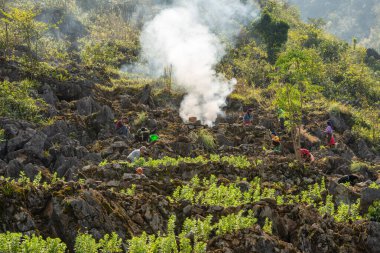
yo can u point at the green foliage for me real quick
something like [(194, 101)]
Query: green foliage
[(110, 244), (200, 229), (208, 192), (85, 243), (347, 212), (130, 191), (207, 139), (374, 211), (249, 65), (140, 119), (328, 207), (37, 179), (99, 54), (234, 222), (25, 30), (138, 244), (267, 228), (103, 163), (10, 242), (16, 101), (374, 185), (2, 135), (274, 33), (297, 72), (356, 166), (15, 242), (240, 162)]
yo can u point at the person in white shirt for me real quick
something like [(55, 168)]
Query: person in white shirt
[(135, 154)]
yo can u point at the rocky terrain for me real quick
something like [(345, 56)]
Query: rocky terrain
[(69, 70), (88, 157)]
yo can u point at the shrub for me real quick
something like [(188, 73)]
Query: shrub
[(10, 242), (267, 228), (111, 244), (233, 222), (140, 119), (16, 101), (15, 242), (374, 185), (85, 243), (357, 166), (374, 211), (207, 139), (347, 212)]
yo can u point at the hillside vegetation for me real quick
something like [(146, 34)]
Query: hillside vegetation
[(69, 70)]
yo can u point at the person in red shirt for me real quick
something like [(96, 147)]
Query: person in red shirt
[(329, 135), (306, 155), (122, 127)]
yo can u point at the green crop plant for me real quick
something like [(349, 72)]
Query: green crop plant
[(130, 191), (374, 185), (36, 244), (200, 228), (37, 179), (185, 243), (138, 244), (85, 243), (240, 162), (374, 211), (267, 228), (233, 222), (10, 242), (328, 207), (347, 212), (209, 192), (110, 243), (16, 242), (103, 163), (200, 247)]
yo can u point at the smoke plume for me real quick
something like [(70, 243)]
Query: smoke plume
[(188, 36)]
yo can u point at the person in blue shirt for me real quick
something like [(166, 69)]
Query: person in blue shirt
[(248, 118)]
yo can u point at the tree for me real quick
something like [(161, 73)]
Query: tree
[(25, 29), (274, 33), (298, 71)]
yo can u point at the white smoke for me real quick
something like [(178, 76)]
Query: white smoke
[(187, 36)]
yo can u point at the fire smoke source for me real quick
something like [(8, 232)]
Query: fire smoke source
[(187, 36)]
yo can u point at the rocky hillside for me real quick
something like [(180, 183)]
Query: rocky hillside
[(66, 184)]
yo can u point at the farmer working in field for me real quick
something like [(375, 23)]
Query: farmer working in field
[(329, 135), (135, 154), (248, 118), (122, 127), (276, 142), (306, 155)]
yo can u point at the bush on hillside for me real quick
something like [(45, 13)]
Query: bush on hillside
[(16, 101)]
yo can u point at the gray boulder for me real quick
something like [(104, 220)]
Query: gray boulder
[(363, 151), (20, 140), (36, 143), (48, 95), (13, 169), (372, 244), (87, 106), (368, 196)]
